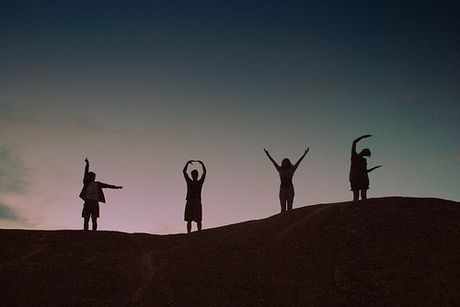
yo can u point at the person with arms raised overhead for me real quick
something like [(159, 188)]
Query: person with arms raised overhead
[(286, 172), (92, 194), (193, 207), (359, 179)]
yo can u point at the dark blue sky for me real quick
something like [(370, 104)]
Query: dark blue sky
[(214, 35)]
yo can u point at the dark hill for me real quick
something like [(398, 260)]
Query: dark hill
[(385, 252)]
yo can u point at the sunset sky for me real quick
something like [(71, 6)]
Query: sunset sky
[(140, 87)]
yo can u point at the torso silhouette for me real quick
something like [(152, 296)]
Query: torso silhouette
[(194, 189), (358, 170), (92, 191), (286, 175)]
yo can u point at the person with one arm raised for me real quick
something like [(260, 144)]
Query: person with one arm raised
[(359, 179), (286, 171), (193, 207), (92, 194)]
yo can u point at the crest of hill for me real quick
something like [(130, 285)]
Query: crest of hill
[(385, 251)]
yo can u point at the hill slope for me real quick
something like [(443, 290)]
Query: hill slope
[(387, 251)]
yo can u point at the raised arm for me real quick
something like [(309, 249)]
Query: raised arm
[(353, 146), (85, 176), (273, 161), (300, 159), (204, 170), (373, 168), (184, 171)]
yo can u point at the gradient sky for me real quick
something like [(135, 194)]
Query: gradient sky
[(140, 87)]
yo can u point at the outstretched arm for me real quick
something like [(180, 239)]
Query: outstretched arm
[(109, 186), (184, 171), (373, 168), (300, 159), (273, 161), (204, 170), (353, 146)]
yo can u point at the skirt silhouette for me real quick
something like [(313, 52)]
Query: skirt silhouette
[(193, 211)]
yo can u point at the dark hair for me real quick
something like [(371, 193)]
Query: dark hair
[(194, 174), (92, 176), (366, 152), (286, 163)]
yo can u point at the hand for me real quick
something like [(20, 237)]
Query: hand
[(374, 168), (86, 160), (362, 137), (306, 151), (189, 161), (266, 152), (119, 187), (199, 161)]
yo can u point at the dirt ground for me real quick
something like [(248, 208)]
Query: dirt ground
[(380, 252)]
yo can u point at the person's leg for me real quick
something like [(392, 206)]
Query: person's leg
[(94, 221), (86, 223), (283, 205), (290, 200), (364, 194), (355, 195), (283, 201), (189, 227), (198, 225)]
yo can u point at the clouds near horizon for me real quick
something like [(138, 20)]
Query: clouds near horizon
[(12, 173), (7, 213), (13, 182)]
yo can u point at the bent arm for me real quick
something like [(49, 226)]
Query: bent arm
[(273, 161), (373, 168), (300, 159), (353, 146), (204, 171), (184, 171)]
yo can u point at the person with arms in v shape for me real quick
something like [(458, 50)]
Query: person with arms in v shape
[(286, 171)]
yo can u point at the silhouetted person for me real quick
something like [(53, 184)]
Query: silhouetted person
[(92, 194), (359, 178), (286, 172), (193, 207)]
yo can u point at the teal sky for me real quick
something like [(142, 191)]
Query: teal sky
[(140, 87)]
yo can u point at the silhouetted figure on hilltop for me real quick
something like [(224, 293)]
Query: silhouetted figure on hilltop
[(359, 178), (286, 172), (193, 207), (92, 194)]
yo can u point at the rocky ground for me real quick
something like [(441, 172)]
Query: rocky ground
[(380, 252)]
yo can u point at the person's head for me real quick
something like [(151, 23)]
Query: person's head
[(365, 152), (194, 174), (91, 176), (286, 163)]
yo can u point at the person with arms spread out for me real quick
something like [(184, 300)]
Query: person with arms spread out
[(92, 194)]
